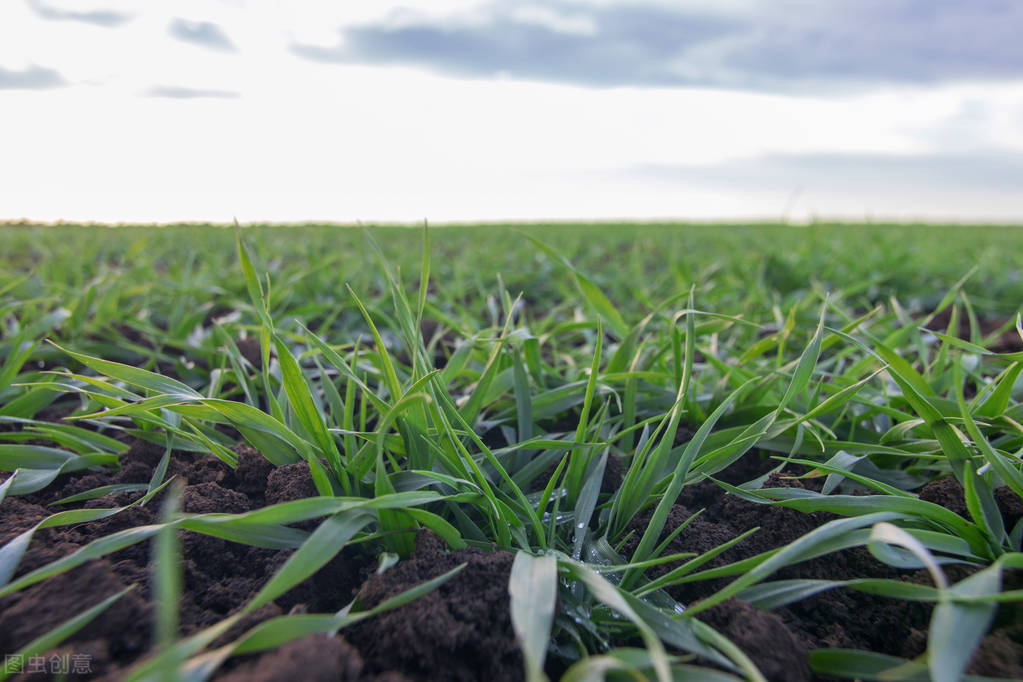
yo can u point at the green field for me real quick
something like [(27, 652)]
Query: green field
[(483, 451)]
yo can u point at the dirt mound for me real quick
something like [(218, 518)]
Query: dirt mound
[(461, 631)]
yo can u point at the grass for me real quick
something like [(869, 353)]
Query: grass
[(427, 379)]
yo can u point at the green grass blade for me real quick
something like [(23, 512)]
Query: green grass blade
[(14, 456), (533, 586), (656, 525), (301, 400), (866, 665), (998, 402), (252, 284), (807, 363), (792, 552), (523, 408), (15, 360), (393, 385), (956, 628), (590, 291), (167, 572), (322, 546), (132, 375), (5, 486), (611, 595)]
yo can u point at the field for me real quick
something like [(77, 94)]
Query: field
[(690, 452)]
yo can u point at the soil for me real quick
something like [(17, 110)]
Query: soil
[(316, 658), (251, 350), (220, 576), (462, 630), (1007, 341), (841, 618)]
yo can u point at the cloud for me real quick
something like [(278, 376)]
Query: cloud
[(32, 78), (202, 33), (104, 18), (938, 172), (634, 46), (783, 44), (872, 41), (175, 92)]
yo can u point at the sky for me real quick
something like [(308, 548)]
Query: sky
[(268, 110)]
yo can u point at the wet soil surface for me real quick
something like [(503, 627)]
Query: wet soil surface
[(461, 631)]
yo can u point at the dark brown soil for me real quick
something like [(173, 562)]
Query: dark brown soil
[(251, 350), (316, 658), (220, 576), (763, 637), (462, 630), (836, 618), (1007, 341)]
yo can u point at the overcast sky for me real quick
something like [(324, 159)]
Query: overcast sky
[(115, 110)]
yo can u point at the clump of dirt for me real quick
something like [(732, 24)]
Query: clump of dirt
[(121, 632), (316, 658), (460, 631), (53, 413), (1010, 504), (1000, 654), (946, 493), (763, 637), (290, 482), (251, 350), (683, 435)]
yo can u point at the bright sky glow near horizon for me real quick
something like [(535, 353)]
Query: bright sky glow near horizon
[(120, 111)]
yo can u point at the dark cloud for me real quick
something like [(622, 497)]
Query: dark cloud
[(784, 44), (630, 46), (104, 18), (32, 78), (939, 172), (176, 92), (201, 33), (904, 41)]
